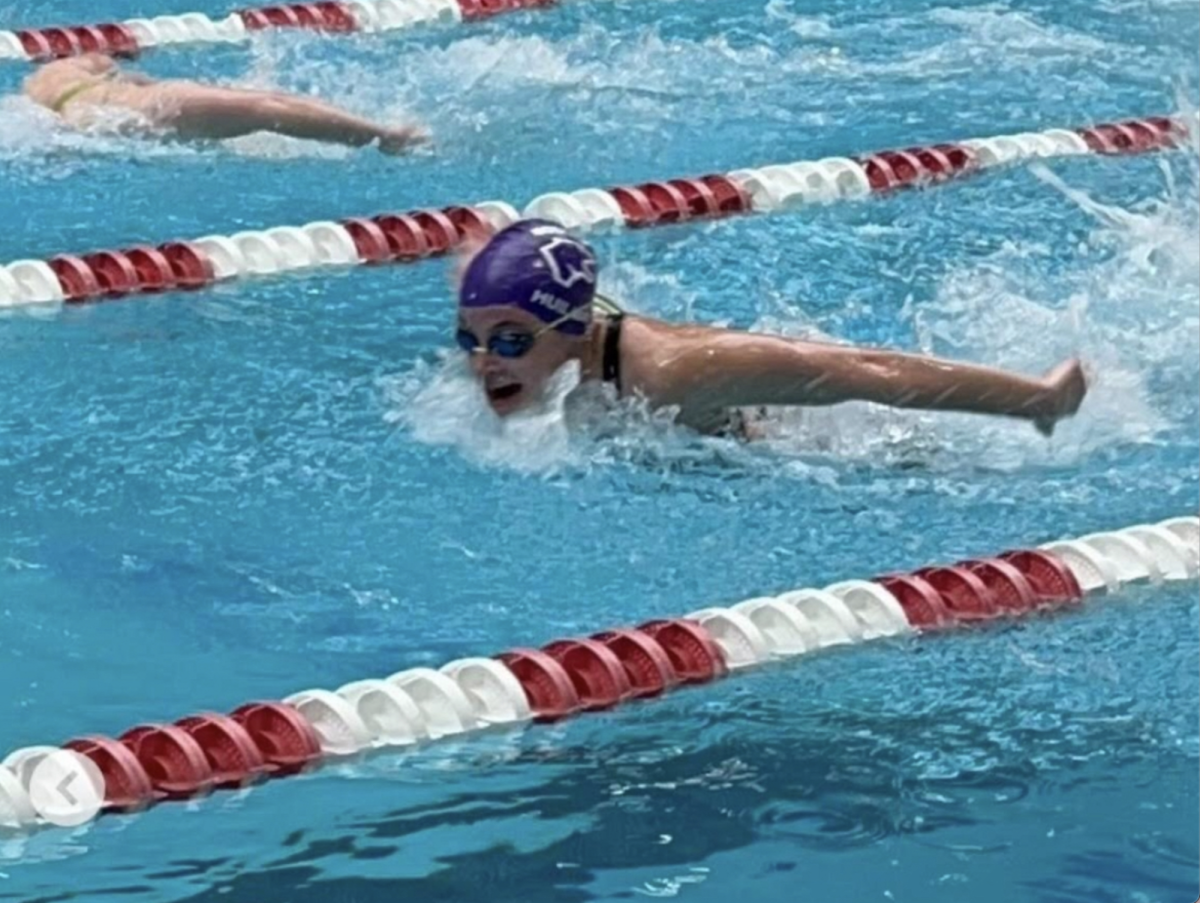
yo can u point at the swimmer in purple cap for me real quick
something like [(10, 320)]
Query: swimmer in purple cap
[(528, 305)]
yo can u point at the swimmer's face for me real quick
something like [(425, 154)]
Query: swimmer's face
[(511, 383)]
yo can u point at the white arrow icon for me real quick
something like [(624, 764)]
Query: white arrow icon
[(66, 788)]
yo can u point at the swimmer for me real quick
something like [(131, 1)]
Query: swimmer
[(80, 89), (527, 305)]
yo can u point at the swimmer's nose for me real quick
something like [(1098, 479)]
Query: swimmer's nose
[(478, 363)]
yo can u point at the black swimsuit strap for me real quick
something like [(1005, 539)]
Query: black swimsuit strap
[(610, 368)]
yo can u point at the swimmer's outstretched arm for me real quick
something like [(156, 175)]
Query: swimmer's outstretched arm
[(228, 114), (744, 370)]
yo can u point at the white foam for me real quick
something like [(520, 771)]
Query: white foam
[(1131, 314), (441, 404), (1017, 32), (807, 27), (32, 135)]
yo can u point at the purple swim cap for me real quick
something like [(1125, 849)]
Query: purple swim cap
[(537, 266)]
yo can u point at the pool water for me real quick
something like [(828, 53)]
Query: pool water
[(281, 483)]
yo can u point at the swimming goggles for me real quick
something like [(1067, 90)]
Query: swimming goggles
[(510, 343)]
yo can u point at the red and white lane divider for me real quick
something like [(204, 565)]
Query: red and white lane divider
[(151, 763), (332, 16), (398, 237)]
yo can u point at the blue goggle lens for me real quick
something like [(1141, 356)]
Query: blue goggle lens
[(502, 344)]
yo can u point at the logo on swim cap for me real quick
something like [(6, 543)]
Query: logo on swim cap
[(569, 261), (534, 265)]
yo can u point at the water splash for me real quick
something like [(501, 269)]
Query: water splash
[(441, 404), (30, 134), (803, 26)]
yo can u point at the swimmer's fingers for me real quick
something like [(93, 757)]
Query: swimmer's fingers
[(1068, 384), (403, 139)]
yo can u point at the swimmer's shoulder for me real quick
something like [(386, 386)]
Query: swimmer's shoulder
[(648, 349), (663, 339)]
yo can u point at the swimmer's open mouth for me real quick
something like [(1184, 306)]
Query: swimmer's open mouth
[(500, 393)]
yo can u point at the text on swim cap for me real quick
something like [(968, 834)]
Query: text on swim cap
[(551, 302)]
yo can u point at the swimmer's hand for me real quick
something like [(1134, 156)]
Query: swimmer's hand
[(1067, 385), (401, 140)]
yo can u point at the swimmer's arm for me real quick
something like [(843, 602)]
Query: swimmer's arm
[(228, 114), (742, 370)]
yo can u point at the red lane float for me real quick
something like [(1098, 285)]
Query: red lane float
[(1135, 136), (196, 755), (326, 16), (115, 272), (286, 739), (550, 690), (474, 10), (189, 265), (233, 757), (404, 237), (1050, 578), (965, 595), (44, 44), (172, 759), (678, 200), (1009, 587), (922, 604), (370, 241), (646, 663), (694, 655), (79, 282), (917, 166), (141, 269), (153, 269), (596, 673), (1015, 583)]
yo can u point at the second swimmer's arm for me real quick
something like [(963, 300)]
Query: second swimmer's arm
[(201, 112)]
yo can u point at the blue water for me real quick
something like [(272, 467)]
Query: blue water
[(275, 484)]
